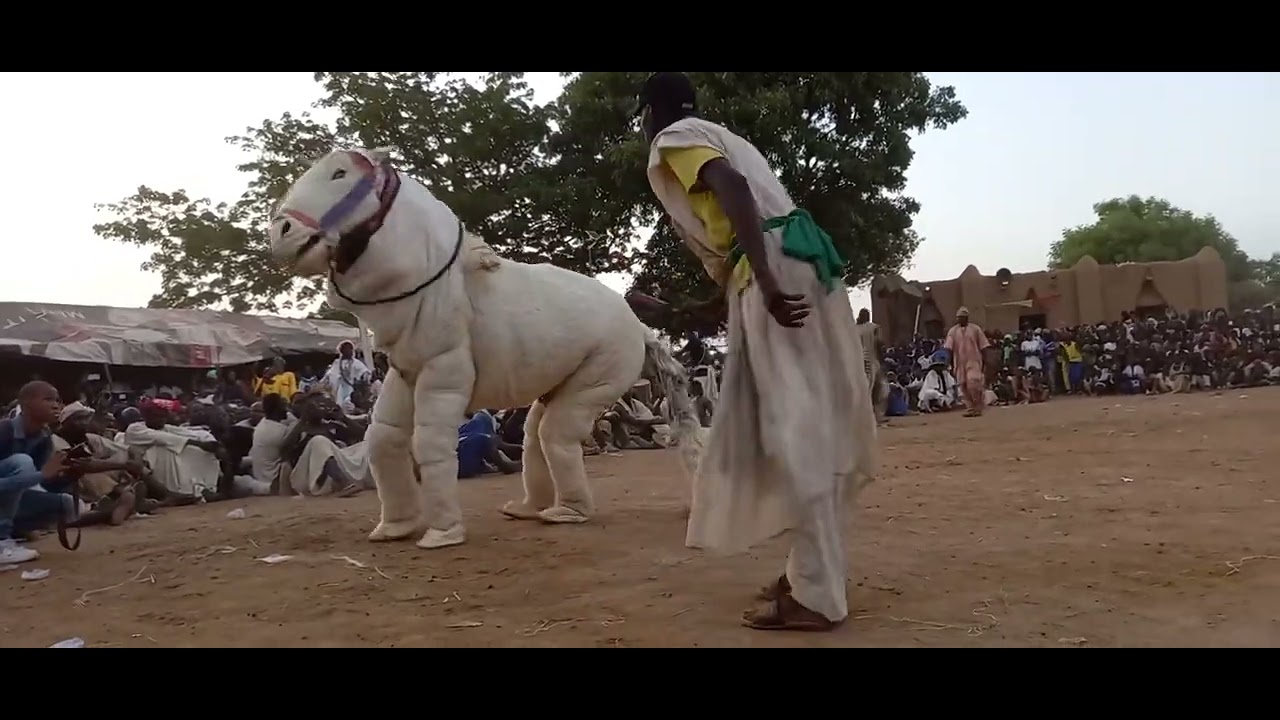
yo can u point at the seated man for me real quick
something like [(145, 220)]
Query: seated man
[(268, 444), (480, 450), (27, 459), (938, 391), (633, 424), (1180, 380), (105, 477), (1133, 379), (511, 429), (185, 460), (897, 401), (327, 450)]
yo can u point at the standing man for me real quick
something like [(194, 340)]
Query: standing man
[(795, 432), (343, 375), (965, 341), (869, 334)]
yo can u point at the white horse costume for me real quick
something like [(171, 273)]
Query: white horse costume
[(465, 329)]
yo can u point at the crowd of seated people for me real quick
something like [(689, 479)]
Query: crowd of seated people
[(1163, 353), (108, 456)]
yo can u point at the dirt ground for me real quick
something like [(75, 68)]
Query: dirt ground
[(1116, 522)]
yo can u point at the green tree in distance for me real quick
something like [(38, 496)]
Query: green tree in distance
[(206, 253), (563, 183), (839, 141), (1134, 229), (1267, 271)]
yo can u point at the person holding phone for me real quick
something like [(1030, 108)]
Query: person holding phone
[(28, 459), (107, 477)]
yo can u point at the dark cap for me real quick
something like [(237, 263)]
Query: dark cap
[(671, 90)]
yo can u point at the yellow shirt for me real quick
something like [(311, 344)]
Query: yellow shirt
[(686, 164), (1073, 352), (284, 384)]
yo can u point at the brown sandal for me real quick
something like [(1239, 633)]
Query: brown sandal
[(769, 593), (784, 613)]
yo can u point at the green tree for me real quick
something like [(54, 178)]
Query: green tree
[(479, 148), (1134, 229), (210, 253), (1267, 271), (563, 183), (839, 141)]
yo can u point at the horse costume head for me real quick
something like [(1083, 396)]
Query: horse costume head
[(354, 217)]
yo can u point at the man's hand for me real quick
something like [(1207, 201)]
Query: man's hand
[(54, 466), (135, 468), (76, 467), (788, 310)]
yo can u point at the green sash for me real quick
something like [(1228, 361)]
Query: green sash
[(803, 240)]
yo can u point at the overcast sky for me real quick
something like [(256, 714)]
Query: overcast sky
[(1035, 153)]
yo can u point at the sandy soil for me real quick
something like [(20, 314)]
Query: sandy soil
[(1116, 522)]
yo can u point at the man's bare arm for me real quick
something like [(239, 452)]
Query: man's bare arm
[(734, 195)]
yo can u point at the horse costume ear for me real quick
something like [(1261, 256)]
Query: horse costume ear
[(381, 155)]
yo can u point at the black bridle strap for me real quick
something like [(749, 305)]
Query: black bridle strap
[(457, 248)]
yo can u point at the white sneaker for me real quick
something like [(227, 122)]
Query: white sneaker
[(11, 553)]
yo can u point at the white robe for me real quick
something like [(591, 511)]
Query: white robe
[(181, 467), (933, 391), (308, 477), (794, 435), (341, 379)]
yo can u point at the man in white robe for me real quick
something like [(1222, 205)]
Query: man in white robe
[(938, 391), (795, 432), (184, 460), (341, 377)]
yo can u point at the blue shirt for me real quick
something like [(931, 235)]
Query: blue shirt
[(14, 440)]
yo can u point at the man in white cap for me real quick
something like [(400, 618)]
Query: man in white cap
[(965, 341)]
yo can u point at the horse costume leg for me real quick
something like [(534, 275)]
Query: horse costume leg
[(441, 396), (390, 463), (539, 490), (568, 419)]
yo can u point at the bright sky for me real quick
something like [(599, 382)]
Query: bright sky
[(1035, 153)]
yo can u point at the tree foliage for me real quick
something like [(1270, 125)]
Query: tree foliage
[(563, 182), (209, 254), (839, 141), (1267, 271), (1134, 229)]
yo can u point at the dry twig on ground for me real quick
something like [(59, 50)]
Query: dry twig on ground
[(84, 598), (544, 625), (1237, 565)]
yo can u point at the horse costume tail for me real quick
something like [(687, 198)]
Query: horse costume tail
[(685, 427)]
